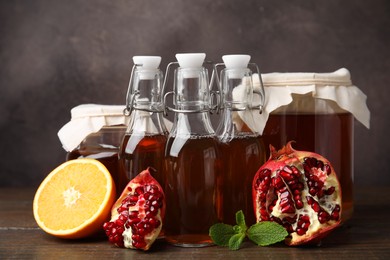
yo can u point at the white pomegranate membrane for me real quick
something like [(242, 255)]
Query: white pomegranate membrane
[(300, 191)]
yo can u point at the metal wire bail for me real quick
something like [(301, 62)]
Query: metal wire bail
[(130, 96), (260, 92)]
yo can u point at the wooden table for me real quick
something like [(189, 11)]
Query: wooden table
[(365, 236)]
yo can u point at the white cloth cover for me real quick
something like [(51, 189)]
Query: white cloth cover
[(87, 119), (279, 87)]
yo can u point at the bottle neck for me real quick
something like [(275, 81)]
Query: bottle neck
[(236, 124), (144, 91), (192, 103), (192, 124), (146, 123)]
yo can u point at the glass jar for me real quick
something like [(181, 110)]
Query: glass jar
[(317, 110), (104, 147), (96, 132)]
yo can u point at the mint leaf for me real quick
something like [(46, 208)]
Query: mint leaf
[(236, 241), (240, 220), (221, 233), (266, 233)]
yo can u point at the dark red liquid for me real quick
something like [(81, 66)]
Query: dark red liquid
[(192, 190), (330, 135), (241, 158), (137, 153)]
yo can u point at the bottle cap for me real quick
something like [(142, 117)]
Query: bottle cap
[(190, 61), (148, 64), (236, 61)]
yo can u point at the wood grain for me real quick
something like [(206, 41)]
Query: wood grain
[(365, 236)]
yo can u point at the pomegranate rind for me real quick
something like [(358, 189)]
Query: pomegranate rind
[(311, 239), (142, 179), (288, 156)]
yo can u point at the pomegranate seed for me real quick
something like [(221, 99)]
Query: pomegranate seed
[(301, 231), (148, 227), (278, 182), (287, 176), (121, 209), (320, 165), (136, 237), (305, 225), (292, 183), (299, 204), (106, 225), (305, 218), (296, 171), (330, 191), (139, 244), (133, 198), (306, 168), (315, 206), (323, 217), (139, 190), (290, 220), (129, 189), (335, 215), (133, 214), (119, 222), (133, 221), (312, 191), (284, 194), (320, 193), (264, 218), (147, 195), (141, 232), (288, 209), (328, 169)]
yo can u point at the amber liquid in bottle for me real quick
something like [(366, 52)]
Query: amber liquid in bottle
[(193, 202), (139, 152), (330, 135), (241, 158)]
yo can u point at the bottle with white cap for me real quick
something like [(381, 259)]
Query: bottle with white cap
[(241, 145), (192, 157), (144, 141)]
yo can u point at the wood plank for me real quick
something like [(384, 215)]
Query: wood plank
[(365, 236)]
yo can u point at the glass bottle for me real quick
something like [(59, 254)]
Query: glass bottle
[(193, 175), (241, 145), (144, 142)]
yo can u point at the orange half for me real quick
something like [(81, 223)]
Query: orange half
[(75, 199)]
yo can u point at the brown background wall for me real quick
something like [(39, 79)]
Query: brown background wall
[(55, 55)]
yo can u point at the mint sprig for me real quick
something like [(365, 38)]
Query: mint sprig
[(263, 233)]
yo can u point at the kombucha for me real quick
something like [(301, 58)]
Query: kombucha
[(192, 192), (139, 152), (330, 135), (241, 158)]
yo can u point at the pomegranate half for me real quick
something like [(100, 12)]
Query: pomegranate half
[(300, 191), (137, 216)]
